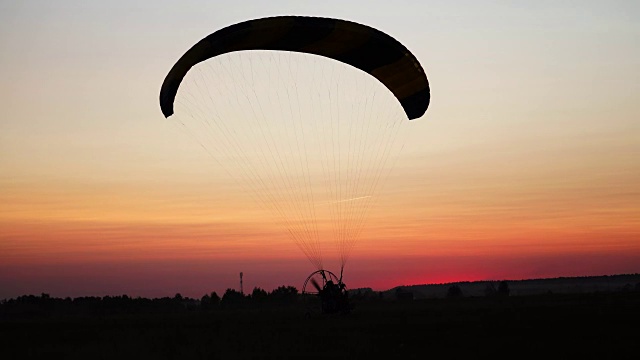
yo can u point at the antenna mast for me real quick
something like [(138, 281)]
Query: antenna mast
[(241, 292)]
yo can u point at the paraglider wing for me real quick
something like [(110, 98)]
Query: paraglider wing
[(363, 47)]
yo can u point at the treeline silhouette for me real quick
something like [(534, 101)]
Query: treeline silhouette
[(46, 306)]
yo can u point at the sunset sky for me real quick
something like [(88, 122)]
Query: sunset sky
[(526, 164)]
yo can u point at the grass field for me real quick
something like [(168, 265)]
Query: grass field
[(600, 325)]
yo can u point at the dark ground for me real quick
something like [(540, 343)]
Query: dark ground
[(563, 326)]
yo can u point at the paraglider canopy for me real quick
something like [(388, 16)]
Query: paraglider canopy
[(306, 114), (361, 46)]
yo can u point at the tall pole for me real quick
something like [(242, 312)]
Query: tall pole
[(241, 292)]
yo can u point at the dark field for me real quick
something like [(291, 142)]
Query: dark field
[(600, 325)]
